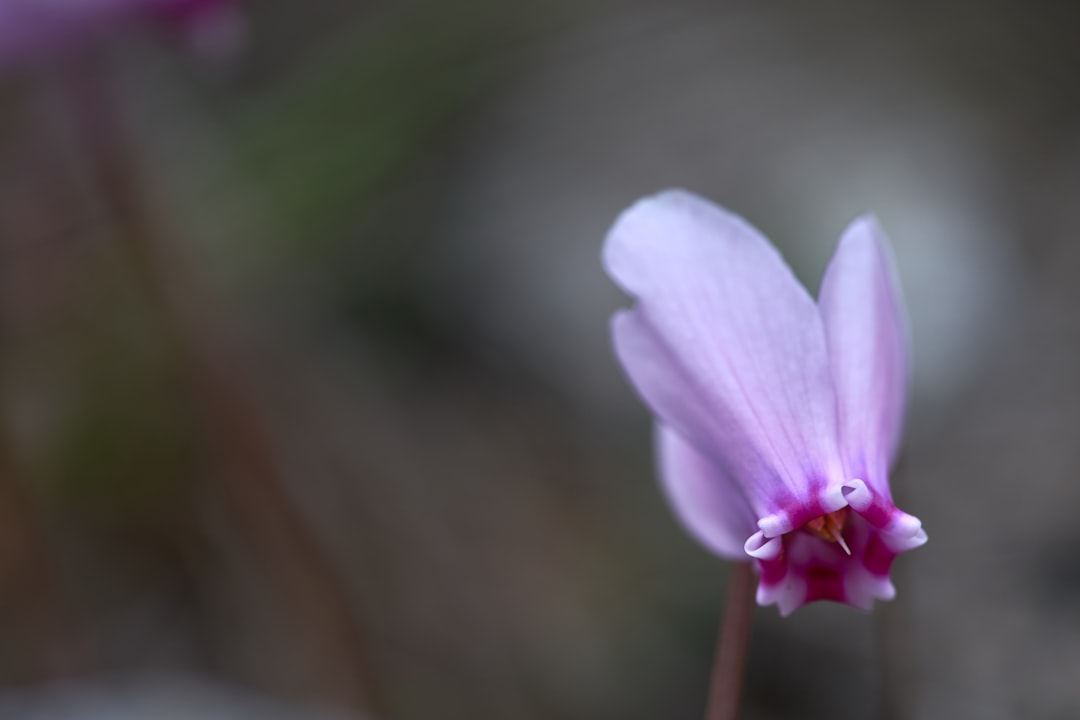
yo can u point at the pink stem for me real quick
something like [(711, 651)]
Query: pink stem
[(725, 685)]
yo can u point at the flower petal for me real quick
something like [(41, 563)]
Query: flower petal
[(727, 348), (868, 349), (710, 504)]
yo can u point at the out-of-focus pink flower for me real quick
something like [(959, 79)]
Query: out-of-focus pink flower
[(211, 27), (778, 418), (32, 31)]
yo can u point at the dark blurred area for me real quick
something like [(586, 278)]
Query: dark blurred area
[(309, 406)]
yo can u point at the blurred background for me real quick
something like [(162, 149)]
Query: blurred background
[(308, 403)]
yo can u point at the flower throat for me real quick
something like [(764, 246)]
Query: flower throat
[(830, 527)]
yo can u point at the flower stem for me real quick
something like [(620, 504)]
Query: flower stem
[(729, 665)]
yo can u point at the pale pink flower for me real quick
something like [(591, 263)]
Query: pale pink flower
[(777, 417)]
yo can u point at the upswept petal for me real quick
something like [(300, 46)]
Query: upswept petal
[(727, 348), (769, 407), (868, 345), (711, 505)]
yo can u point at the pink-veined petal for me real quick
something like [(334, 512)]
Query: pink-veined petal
[(728, 349), (868, 348), (711, 505)]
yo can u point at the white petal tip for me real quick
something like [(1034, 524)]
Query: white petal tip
[(857, 495), (833, 498), (887, 591), (761, 547), (904, 533), (775, 525)]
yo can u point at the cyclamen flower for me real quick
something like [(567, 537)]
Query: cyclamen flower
[(777, 418)]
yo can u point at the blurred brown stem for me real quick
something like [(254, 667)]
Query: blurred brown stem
[(729, 666), (253, 489)]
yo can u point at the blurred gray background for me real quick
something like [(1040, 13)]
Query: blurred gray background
[(391, 214)]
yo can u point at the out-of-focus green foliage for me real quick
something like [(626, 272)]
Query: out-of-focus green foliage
[(325, 145), (124, 449)]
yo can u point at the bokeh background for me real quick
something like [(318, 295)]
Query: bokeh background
[(309, 408)]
